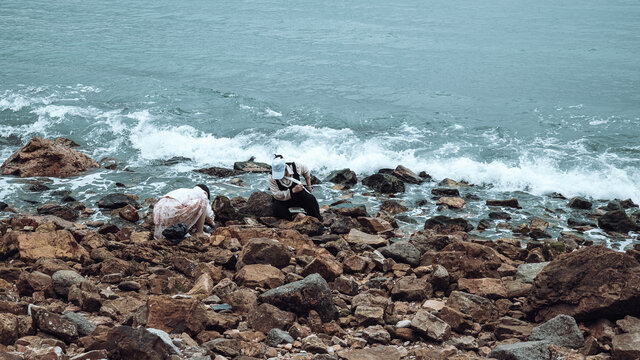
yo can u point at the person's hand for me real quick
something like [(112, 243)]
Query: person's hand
[(309, 188), (297, 188)]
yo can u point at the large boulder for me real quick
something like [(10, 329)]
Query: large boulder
[(402, 251), (446, 225), (616, 220), (63, 280), (266, 317), (259, 205), (116, 201), (407, 176), (562, 330), (466, 260), (223, 209), (176, 315), (590, 283), (384, 183), (44, 157), (31, 246), (626, 346), (125, 342), (300, 297), (62, 211), (252, 166), (264, 251), (343, 177)]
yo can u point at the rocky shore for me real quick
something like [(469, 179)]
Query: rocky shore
[(353, 287)]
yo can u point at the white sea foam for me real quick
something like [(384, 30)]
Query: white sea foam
[(272, 113)]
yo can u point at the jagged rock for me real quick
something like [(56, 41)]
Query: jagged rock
[(629, 324), (374, 353), (308, 225), (32, 246), (223, 209), (440, 277), (430, 326), (528, 272), (260, 275), (446, 225), (530, 350), (402, 251), (562, 330), (410, 288), (44, 157), (85, 327), (125, 342), (510, 328), (176, 315), (29, 282), (407, 176), (393, 207), (618, 221), (264, 251), (367, 315), (466, 260), (499, 215), (9, 331), (383, 183), (219, 172), (439, 192), (116, 201), (311, 293), (325, 265), (375, 225), (626, 346), (579, 203), (64, 212), (259, 204), (451, 202), (276, 337), (504, 203), (479, 308), (350, 210), (313, 344), (343, 177), (266, 317), (252, 166), (589, 283), (357, 237), (428, 240), (54, 324), (487, 287)]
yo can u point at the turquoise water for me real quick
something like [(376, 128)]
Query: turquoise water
[(520, 99)]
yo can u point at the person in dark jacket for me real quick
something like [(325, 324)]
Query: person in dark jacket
[(290, 184)]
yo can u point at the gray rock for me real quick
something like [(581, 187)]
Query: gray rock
[(300, 297), (343, 177), (440, 277), (376, 334), (562, 330), (626, 346), (313, 344), (85, 327), (264, 251), (430, 326), (278, 336), (64, 279), (616, 220), (384, 183), (528, 272), (403, 252), (116, 201), (446, 225), (530, 350)]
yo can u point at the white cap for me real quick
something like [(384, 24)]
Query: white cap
[(277, 168)]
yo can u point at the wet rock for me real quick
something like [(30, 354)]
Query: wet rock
[(32, 246), (530, 350), (375, 225), (626, 346), (393, 207), (528, 272), (403, 252), (259, 204), (44, 157), (618, 221), (276, 337), (609, 280), (54, 324), (383, 183), (300, 297), (562, 330), (252, 166), (85, 327), (223, 209), (430, 326), (64, 279), (407, 176), (350, 210), (264, 251), (176, 315), (504, 203), (343, 177), (176, 232), (219, 172), (451, 202), (499, 215), (448, 192), (260, 275), (357, 237), (116, 201), (129, 213), (579, 203), (446, 225), (266, 317), (64, 212)]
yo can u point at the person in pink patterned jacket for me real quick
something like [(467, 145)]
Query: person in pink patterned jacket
[(188, 206)]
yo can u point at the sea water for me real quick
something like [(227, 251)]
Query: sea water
[(520, 99)]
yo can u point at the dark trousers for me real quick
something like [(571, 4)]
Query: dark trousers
[(301, 199)]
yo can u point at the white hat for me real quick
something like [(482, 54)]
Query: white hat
[(277, 168)]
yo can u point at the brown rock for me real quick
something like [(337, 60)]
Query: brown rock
[(626, 346), (325, 265), (466, 260), (374, 353), (452, 202), (129, 213), (589, 283), (458, 321), (44, 157), (487, 287), (264, 251), (29, 282), (393, 207), (125, 342), (176, 315), (430, 326), (504, 203), (479, 308), (369, 315), (629, 324), (259, 275), (32, 246), (305, 225), (410, 288), (54, 324), (357, 237), (266, 317), (355, 264), (510, 328), (374, 225), (8, 329)]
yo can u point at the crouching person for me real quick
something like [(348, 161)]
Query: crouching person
[(290, 190), (188, 206)]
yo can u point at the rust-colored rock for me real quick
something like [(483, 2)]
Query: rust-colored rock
[(487, 287), (590, 283), (466, 260), (266, 317), (44, 157), (32, 246), (260, 275), (326, 265), (176, 315)]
